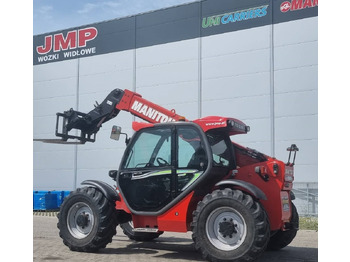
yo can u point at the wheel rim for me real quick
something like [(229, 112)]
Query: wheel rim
[(80, 220), (226, 228)]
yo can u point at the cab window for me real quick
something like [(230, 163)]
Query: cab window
[(151, 149), (192, 158), (191, 153), (221, 147)]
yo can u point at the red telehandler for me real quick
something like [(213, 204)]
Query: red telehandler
[(179, 175)]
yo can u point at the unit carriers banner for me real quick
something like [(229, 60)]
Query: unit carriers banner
[(178, 23)]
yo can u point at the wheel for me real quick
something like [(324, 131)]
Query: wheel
[(228, 225), (138, 236), (87, 220), (283, 238)]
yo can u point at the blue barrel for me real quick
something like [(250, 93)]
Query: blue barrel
[(61, 195), (44, 200)]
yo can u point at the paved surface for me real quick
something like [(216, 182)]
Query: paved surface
[(48, 246)]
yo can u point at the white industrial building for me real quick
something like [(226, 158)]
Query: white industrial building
[(254, 60)]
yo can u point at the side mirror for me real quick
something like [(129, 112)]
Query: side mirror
[(116, 131), (113, 174)]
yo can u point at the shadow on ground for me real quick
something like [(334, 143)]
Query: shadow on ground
[(186, 251)]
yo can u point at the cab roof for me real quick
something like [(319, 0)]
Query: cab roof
[(232, 125)]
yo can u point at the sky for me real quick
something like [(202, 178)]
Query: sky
[(53, 15)]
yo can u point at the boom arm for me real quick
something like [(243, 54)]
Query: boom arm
[(90, 123)]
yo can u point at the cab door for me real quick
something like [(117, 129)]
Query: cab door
[(161, 163), (146, 170)]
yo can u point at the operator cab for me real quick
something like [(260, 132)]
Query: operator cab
[(160, 163), (167, 161)]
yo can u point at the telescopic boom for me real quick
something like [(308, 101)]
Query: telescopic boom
[(89, 123)]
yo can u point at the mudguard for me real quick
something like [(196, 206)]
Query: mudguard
[(292, 196), (257, 192), (107, 190)]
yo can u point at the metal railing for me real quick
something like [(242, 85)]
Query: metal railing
[(306, 198)]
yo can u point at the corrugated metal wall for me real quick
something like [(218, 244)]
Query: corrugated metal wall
[(266, 76)]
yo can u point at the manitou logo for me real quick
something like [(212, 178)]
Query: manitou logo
[(294, 5), (73, 39), (150, 112)]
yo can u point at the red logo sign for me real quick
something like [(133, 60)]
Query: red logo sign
[(294, 5), (285, 6), (73, 39)]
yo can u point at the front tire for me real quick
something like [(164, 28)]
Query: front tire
[(228, 225), (87, 220)]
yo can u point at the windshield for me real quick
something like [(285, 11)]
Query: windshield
[(151, 149)]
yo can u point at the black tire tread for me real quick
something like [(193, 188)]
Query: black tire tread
[(107, 220), (259, 214), (283, 238)]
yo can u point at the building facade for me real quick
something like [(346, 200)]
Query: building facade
[(252, 60)]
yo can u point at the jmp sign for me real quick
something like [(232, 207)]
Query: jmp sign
[(66, 45)]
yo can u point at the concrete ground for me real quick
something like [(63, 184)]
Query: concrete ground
[(48, 246)]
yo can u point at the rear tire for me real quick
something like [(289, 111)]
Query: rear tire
[(228, 225), (87, 220), (282, 239), (138, 236)]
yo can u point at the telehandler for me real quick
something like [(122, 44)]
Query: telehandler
[(179, 175)]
